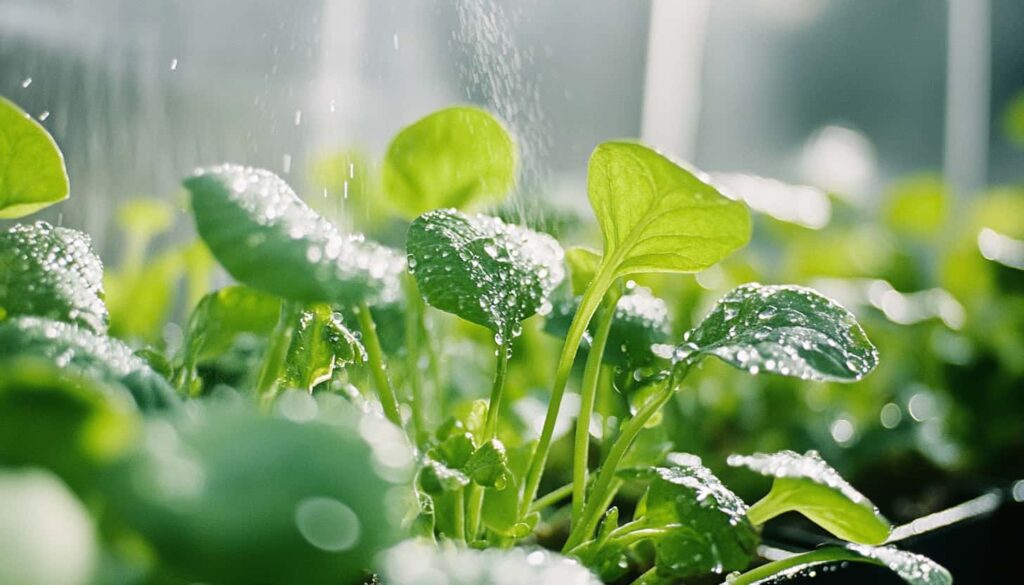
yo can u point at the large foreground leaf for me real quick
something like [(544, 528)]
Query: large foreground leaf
[(450, 158), (482, 269), (808, 485), (415, 563), (657, 216), (786, 330), (84, 353), (51, 272), (267, 238), (32, 174)]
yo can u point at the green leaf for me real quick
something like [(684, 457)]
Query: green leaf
[(82, 352), (488, 466), (808, 485), (224, 314), (267, 238), (451, 158), (320, 344), (140, 300), (51, 272), (482, 269), (436, 478), (232, 497), (786, 330), (657, 216), (455, 450), (707, 530), (65, 423), (33, 174), (913, 568), (415, 563), (583, 266)]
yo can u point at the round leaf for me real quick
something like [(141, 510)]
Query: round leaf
[(237, 498), (415, 563), (482, 269), (84, 353), (51, 272), (708, 530), (808, 485), (786, 330), (657, 216), (267, 238), (32, 173), (451, 158)]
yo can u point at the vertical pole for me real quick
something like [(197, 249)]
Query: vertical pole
[(672, 88)]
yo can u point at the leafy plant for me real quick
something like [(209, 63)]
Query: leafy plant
[(255, 453)]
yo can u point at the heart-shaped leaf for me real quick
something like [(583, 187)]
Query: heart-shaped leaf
[(32, 173), (707, 530), (84, 353), (657, 216), (320, 344), (415, 563), (51, 272), (786, 330), (808, 485), (482, 269), (451, 158), (267, 238)]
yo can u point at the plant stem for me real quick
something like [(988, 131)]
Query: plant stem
[(588, 306), (588, 396), (818, 556), (412, 348), (277, 351), (375, 355), (476, 493), (598, 496), (606, 397), (551, 498), (460, 514)]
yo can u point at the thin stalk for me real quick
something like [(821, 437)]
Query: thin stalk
[(818, 556), (606, 396), (588, 306), (460, 514), (551, 498), (476, 493), (588, 396), (605, 478), (433, 365), (375, 356), (277, 352), (412, 348)]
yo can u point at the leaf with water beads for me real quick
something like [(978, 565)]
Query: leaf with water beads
[(482, 269), (786, 330), (451, 158), (32, 173), (657, 216), (321, 343), (84, 353), (267, 238), (707, 530), (51, 272), (808, 485), (913, 568)]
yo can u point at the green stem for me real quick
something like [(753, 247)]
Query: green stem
[(588, 396), (433, 367), (460, 514), (375, 356), (588, 306), (606, 396), (821, 555), (277, 352), (476, 493), (605, 478), (551, 498), (412, 348)]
